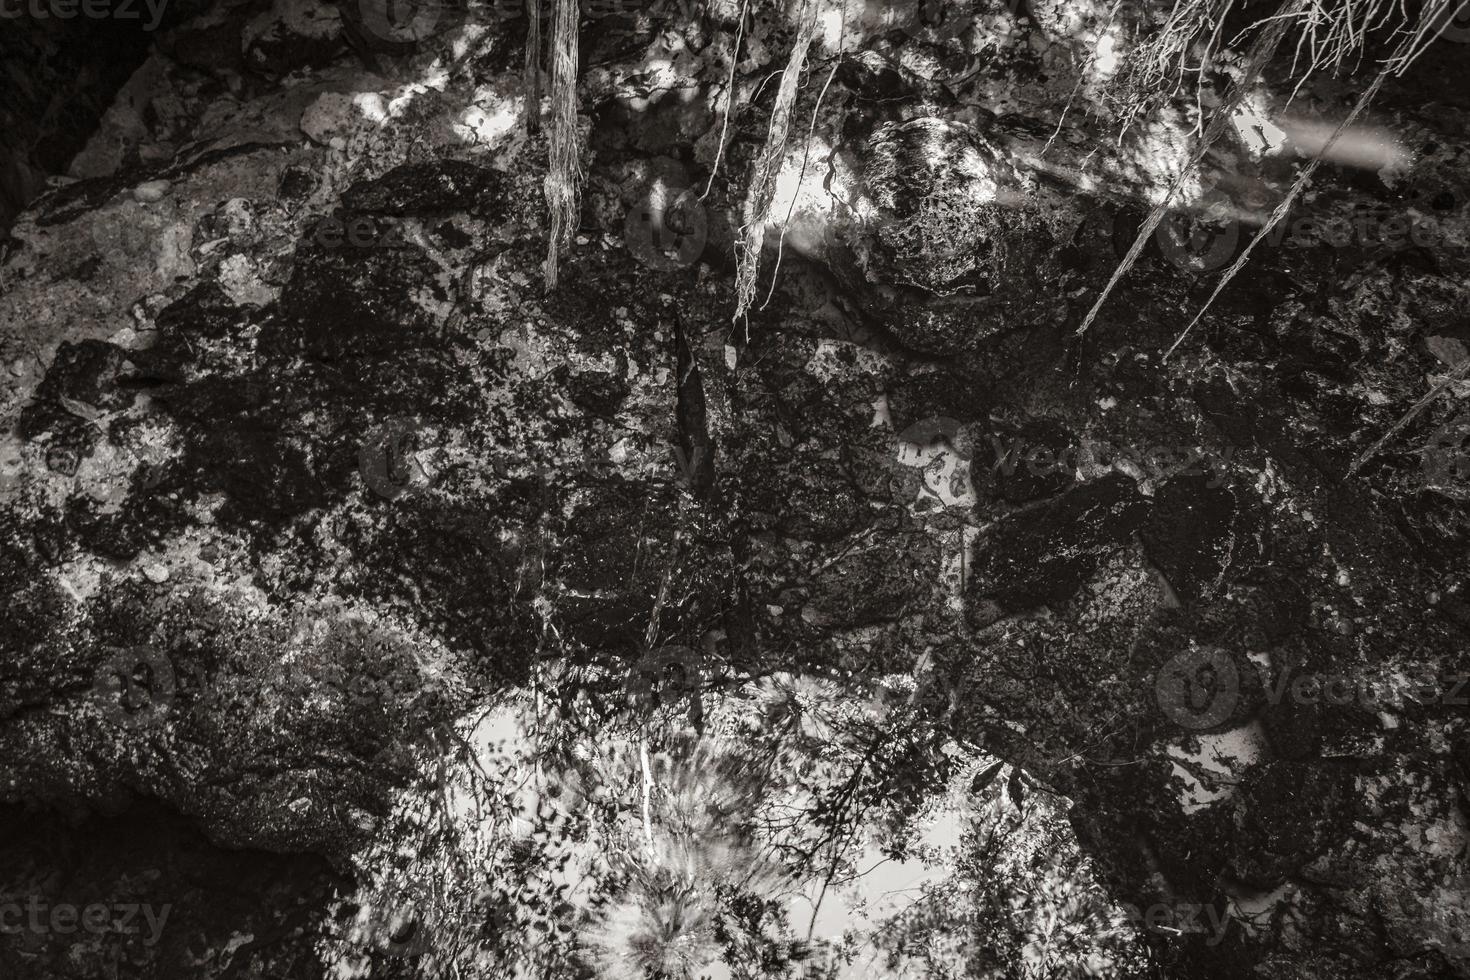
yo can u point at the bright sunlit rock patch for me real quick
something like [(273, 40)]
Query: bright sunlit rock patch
[(1253, 125)]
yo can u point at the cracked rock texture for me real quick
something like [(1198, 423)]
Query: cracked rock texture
[(292, 426)]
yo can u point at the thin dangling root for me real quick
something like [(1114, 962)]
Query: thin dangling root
[(564, 172), (729, 99), (1261, 52), (1456, 374), (532, 70), (768, 166), (1281, 209), (801, 175)]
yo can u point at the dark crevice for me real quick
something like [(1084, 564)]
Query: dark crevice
[(696, 448)]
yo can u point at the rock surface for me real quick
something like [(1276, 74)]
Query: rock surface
[(304, 469)]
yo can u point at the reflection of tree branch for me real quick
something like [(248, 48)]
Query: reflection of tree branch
[(863, 874), (841, 827), (844, 796), (831, 871), (647, 792)]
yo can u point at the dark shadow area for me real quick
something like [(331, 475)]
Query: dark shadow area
[(57, 78), (144, 894)]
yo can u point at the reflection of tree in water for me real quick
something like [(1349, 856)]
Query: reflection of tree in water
[(645, 849), (1020, 903)]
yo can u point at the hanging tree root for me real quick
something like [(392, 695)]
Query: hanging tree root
[(1262, 50), (1394, 64), (532, 70), (1331, 35), (800, 176), (768, 166), (729, 98), (1458, 373), (564, 170), (1281, 209)]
